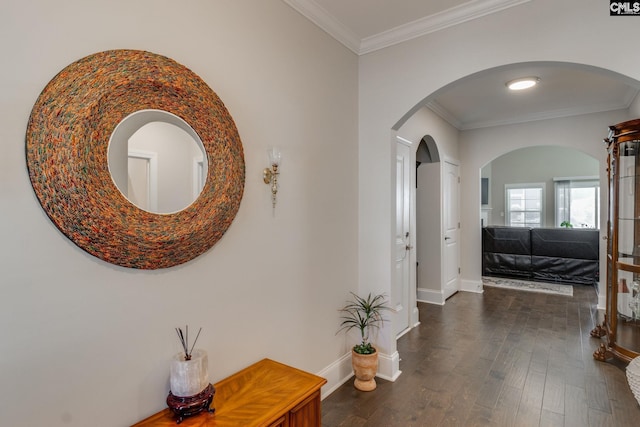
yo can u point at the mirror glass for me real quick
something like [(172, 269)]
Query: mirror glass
[(157, 161)]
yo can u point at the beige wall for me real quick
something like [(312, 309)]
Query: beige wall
[(87, 343)]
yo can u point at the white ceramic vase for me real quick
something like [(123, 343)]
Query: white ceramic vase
[(189, 377)]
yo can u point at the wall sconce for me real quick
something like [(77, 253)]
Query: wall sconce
[(270, 175)]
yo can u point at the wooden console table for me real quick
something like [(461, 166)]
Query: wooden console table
[(266, 394)]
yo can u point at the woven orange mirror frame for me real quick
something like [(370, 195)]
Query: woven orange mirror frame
[(66, 148)]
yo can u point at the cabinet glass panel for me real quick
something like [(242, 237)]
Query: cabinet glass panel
[(610, 181), (628, 233), (628, 309), (628, 242), (611, 176), (628, 205)]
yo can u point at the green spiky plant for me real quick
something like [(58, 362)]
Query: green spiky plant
[(364, 314)]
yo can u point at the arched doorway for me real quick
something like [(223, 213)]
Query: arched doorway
[(569, 180), (429, 222), (582, 130), (540, 187)]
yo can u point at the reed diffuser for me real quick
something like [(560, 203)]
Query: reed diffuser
[(184, 340), (191, 391)]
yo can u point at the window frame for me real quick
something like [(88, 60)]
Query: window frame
[(576, 182), (531, 185)]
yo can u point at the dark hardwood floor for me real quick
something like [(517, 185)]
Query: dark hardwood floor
[(503, 358)]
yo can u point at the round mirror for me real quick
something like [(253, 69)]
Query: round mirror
[(157, 161), (90, 115)]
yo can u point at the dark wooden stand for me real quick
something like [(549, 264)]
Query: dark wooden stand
[(191, 405)]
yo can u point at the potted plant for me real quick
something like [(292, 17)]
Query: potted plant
[(364, 314)]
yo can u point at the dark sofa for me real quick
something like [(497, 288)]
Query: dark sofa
[(543, 254)]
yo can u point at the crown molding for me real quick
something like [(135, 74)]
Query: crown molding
[(444, 114), (327, 22), (439, 21), (429, 24), (546, 115)]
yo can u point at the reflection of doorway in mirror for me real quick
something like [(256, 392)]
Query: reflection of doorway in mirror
[(199, 176), (175, 152), (142, 182), (168, 159)]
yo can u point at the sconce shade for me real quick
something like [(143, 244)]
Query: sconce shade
[(275, 156)]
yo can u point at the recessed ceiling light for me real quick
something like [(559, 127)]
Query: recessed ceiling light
[(523, 83)]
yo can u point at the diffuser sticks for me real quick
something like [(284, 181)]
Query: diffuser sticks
[(184, 340)]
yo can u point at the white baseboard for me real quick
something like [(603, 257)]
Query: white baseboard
[(430, 296), (336, 374), (340, 371), (415, 317), (471, 286), (389, 366), (448, 292)]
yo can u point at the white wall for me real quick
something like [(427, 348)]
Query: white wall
[(426, 122), (634, 108), (394, 81), (87, 343)]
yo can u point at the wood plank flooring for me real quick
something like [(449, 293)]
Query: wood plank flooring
[(503, 358)]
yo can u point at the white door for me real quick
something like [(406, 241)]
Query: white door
[(142, 185), (400, 293), (451, 218)]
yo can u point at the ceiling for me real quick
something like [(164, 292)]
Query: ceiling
[(564, 90), (479, 100)]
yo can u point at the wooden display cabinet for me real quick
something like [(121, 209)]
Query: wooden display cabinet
[(620, 328), (266, 394)]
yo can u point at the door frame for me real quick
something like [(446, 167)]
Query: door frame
[(412, 309), (151, 157)]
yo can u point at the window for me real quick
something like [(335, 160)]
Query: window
[(577, 201), (524, 205)]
